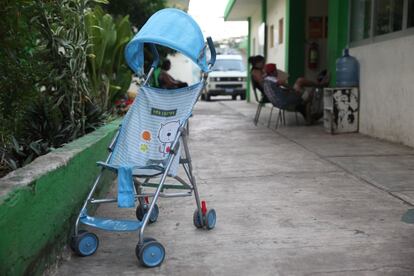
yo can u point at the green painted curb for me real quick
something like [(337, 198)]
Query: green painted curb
[(39, 203)]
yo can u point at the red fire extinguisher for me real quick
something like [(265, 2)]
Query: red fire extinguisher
[(313, 56)]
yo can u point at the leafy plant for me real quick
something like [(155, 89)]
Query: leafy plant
[(109, 76), (21, 67), (65, 43), (139, 11), (62, 69), (45, 93), (20, 153)]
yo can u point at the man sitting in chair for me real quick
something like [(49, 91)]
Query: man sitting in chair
[(287, 98), (295, 98)]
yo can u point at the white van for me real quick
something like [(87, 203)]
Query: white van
[(228, 77)]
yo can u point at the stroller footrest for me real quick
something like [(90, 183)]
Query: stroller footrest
[(150, 170), (110, 224)]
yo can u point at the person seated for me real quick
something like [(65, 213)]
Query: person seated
[(301, 83), (257, 72), (287, 98), (308, 88), (165, 80)]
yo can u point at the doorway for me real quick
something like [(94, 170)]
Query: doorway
[(316, 38)]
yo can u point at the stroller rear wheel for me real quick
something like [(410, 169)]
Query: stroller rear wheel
[(142, 210), (210, 219), (198, 223)]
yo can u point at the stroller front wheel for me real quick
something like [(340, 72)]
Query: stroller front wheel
[(85, 244), (138, 248), (151, 254)]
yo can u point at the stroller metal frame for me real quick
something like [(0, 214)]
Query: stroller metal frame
[(140, 196)]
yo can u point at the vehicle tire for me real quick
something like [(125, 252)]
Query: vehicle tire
[(234, 97), (243, 97), (208, 97), (203, 97)]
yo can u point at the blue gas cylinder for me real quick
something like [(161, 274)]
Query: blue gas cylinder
[(347, 70)]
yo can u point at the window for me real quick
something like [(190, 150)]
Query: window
[(228, 65), (374, 20), (360, 19), (389, 16), (281, 30)]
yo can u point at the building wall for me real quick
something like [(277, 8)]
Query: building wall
[(256, 20), (387, 90), (337, 33), (276, 10)]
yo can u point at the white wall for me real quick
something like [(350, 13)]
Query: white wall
[(387, 89), (276, 10), (256, 20)]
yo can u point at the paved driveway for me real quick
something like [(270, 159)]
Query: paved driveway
[(296, 201)]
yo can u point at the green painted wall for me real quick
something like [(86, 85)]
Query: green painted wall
[(295, 39), (36, 220), (337, 33), (264, 20)]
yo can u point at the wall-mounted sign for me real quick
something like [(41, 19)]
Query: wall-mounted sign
[(315, 27)]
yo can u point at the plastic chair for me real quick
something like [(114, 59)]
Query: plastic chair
[(261, 102), (271, 94)]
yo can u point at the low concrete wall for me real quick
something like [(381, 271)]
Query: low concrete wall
[(39, 203)]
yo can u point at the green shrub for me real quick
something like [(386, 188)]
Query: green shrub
[(21, 67), (107, 71), (62, 69), (45, 93)]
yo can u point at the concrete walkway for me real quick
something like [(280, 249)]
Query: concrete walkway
[(295, 201)]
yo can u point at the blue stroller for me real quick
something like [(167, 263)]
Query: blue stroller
[(151, 143)]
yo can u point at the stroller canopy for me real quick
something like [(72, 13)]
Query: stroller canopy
[(172, 28)]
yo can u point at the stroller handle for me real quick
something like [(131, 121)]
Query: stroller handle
[(156, 56), (212, 51), (155, 61)]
